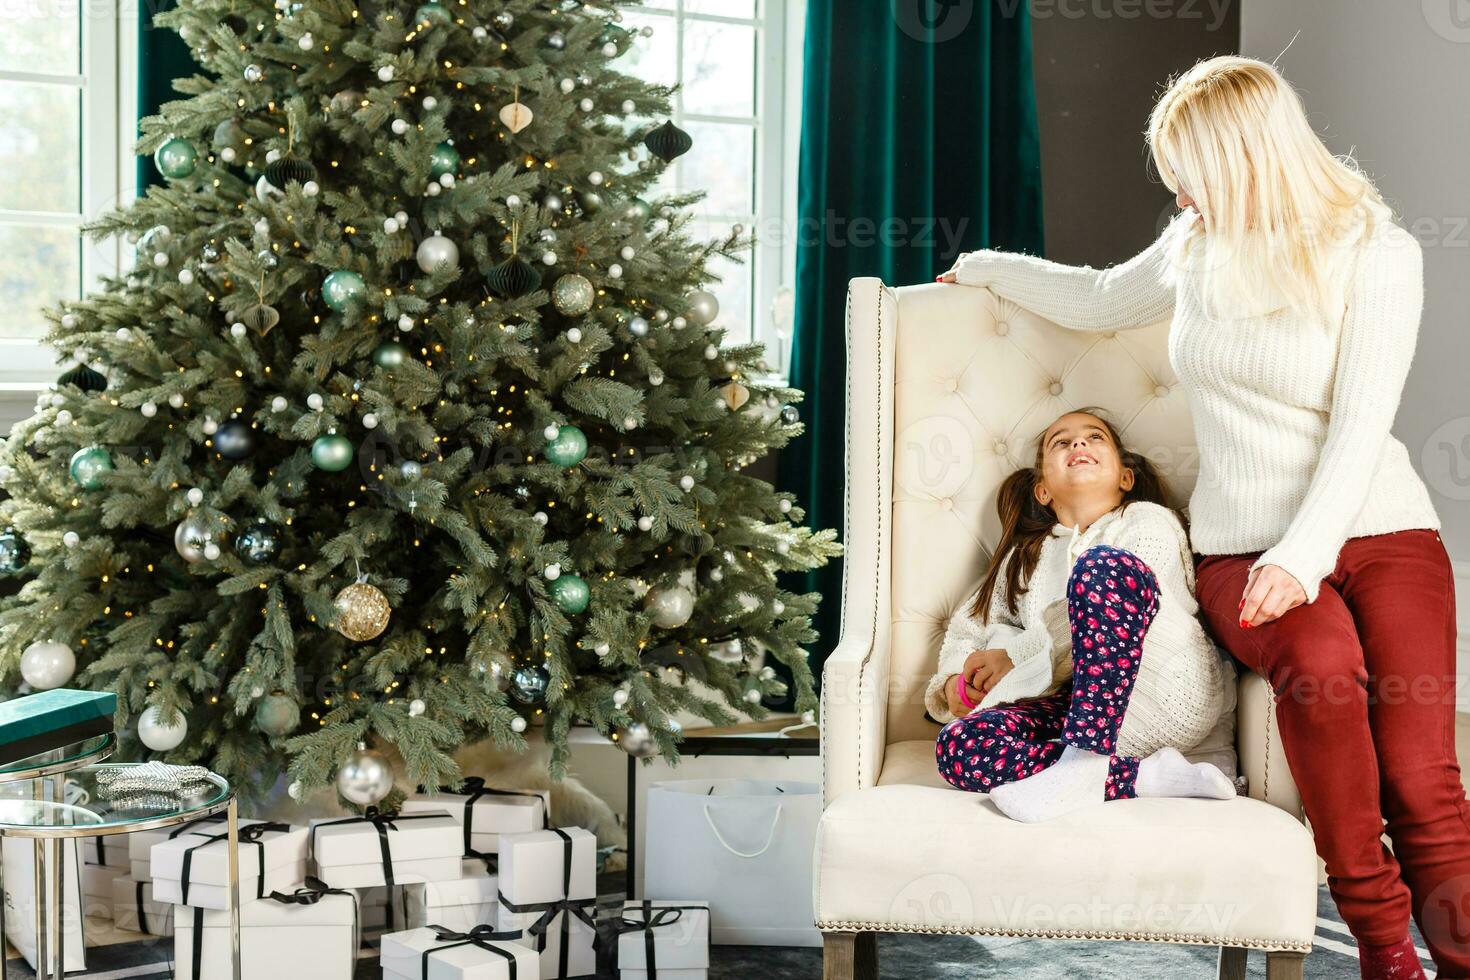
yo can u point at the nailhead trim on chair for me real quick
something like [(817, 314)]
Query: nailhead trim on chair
[(1193, 939)]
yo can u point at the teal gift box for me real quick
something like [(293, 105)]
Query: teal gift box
[(51, 719)]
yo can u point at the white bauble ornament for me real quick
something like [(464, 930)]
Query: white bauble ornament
[(518, 724), (540, 517), (186, 277), (399, 126), (731, 651), (574, 335), (405, 322), (295, 790), (645, 523), (63, 417), (686, 483), (620, 698), (566, 85), (703, 306), (669, 608), (552, 572), (585, 105), (46, 664), (237, 330), (176, 400), (385, 74), (437, 252), (366, 777), (195, 496), (149, 409), (627, 252), (306, 42), (369, 420), (71, 539), (753, 696), (430, 103), (390, 226), (628, 107), (158, 736), (416, 707)]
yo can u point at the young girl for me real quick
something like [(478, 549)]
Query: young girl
[(1084, 630)]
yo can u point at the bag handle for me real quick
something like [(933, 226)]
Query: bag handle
[(770, 838)]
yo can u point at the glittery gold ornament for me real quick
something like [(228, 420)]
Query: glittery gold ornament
[(362, 611)]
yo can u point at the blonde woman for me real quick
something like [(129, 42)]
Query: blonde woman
[(1296, 301)]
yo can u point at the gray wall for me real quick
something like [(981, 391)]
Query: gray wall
[(1387, 82), (1099, 67)]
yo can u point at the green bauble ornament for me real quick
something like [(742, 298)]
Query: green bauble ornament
[(14, 552), (175, 158), (277, 714), (639, 210), (445, 158), (342, 288), (568, 448), (331, 452), (89, 465), (432, 13), (390, 355), (570, 593)]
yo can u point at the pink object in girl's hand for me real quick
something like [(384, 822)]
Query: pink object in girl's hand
[(959, 688)]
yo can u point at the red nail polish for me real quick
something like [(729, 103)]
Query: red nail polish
[(1242, 604), (1244, 625)]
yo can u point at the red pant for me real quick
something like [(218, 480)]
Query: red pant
[(1365, 699)]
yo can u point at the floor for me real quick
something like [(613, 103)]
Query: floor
[(117, 955)]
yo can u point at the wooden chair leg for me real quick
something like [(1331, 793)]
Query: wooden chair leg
[(850, 956), (1285, 966), (1232, 963)]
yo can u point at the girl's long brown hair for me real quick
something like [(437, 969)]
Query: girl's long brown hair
[(1025, 524)]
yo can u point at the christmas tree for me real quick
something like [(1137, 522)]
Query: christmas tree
[(412, 423)]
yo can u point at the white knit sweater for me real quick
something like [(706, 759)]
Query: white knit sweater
[(1184, 684), (1292, 419)]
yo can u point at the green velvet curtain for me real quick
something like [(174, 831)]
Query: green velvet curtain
[(162, 57), (921, 114)]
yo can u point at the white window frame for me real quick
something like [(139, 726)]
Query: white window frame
[(780, 27), (108, 110)]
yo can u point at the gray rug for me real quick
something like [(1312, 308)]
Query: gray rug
[(901, 957)]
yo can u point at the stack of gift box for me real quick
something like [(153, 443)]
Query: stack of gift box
[(474, 885)]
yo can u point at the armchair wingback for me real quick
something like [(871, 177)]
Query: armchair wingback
[(946, 387)]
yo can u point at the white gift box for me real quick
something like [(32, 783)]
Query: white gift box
[(532, 869), (97, 882), (20, 901), (459, 905), (110, 851), (278, 940), (194, 870), (140, 845), (490, 812), (352, 853), (129, 895), (450, 959), (680, 939)]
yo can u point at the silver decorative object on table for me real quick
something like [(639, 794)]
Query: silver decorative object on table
[(66, 796)]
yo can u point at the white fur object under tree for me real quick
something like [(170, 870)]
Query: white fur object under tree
[(1292, 414)]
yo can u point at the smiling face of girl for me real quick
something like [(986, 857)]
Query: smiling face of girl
[(1081, 468)]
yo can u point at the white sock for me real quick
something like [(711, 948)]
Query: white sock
[(1079, 778), (1168, 773)]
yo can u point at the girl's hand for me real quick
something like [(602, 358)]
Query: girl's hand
[(985, 668), (1270, 593), (957, 707)]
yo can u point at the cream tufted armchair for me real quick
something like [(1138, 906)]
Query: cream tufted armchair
[(946, 387)]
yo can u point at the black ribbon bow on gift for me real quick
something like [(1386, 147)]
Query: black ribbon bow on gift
[(654, 917), (314, 892), (550, 910), (473, 789), (251, 834), (384, 821), (479, 936)]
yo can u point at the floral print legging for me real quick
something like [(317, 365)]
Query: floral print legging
[(1112, 597)]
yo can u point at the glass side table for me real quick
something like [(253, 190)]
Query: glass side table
[(38, 812)]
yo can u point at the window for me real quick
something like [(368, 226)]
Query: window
[(61, 156), (738, 65)]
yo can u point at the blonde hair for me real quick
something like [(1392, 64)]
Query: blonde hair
[(1275, 201)]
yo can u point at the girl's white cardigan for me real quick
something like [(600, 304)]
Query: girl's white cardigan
[(1184, 683)]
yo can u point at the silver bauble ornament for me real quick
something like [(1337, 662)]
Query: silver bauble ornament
[(573, 294), (436, 252), (637, 740), (158, 735), (46, 664), (362, 611), (670, 608), (366, 777), (703, 306), (191, 537)]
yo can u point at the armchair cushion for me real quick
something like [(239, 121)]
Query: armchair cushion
[(913, 857)]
